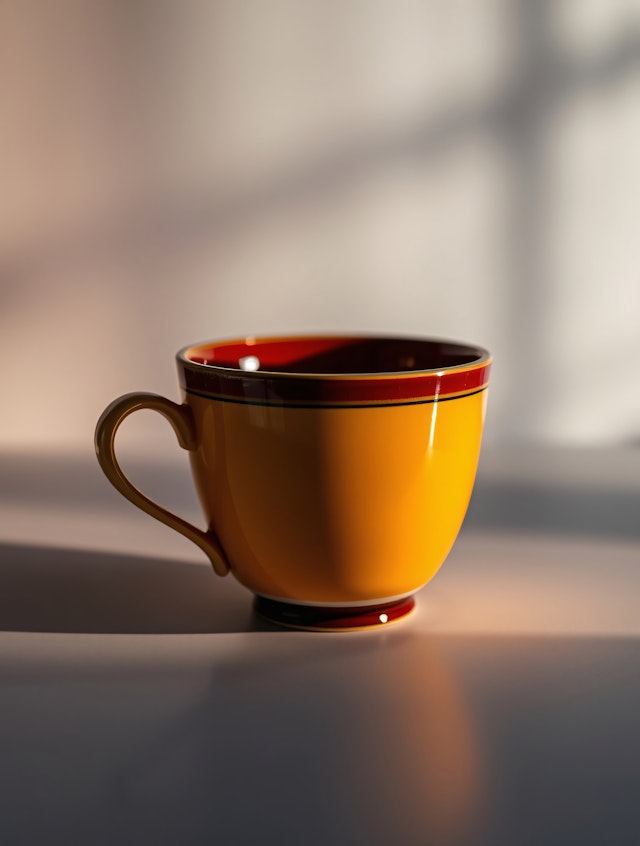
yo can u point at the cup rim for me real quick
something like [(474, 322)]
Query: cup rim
[(481, 358)]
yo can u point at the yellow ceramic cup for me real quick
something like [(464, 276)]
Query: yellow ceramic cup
[(334, 472)]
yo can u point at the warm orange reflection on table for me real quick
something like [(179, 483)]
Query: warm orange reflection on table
[(412, 728)]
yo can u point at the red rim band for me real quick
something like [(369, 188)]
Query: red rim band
[(390, 390)]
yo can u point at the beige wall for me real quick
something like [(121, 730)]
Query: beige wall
[(172, 171)]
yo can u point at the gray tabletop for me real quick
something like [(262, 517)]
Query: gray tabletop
[(142, 702)]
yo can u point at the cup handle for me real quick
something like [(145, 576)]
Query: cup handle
[(182, 422)]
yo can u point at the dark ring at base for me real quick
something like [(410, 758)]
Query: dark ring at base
[(318, 618)]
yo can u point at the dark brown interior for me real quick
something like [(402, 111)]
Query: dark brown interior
[(383, 356)]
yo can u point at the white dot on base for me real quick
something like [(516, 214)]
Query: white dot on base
[(384, 618)]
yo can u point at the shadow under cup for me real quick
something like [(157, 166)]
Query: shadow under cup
[(334, 472)]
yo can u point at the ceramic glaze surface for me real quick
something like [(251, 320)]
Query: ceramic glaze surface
[(336, 504)]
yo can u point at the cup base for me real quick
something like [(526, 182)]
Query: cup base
[(316, 618)]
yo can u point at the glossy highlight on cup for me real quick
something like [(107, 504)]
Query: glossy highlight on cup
[(334, 472)]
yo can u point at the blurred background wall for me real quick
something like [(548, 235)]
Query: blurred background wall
[(174, 170)]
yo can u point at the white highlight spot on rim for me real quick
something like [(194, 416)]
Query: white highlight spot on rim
[(249, 362), (384, 618)]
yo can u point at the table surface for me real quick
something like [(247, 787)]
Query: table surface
[(142, 702)]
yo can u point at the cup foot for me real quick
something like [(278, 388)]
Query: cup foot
[(316, 618)]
